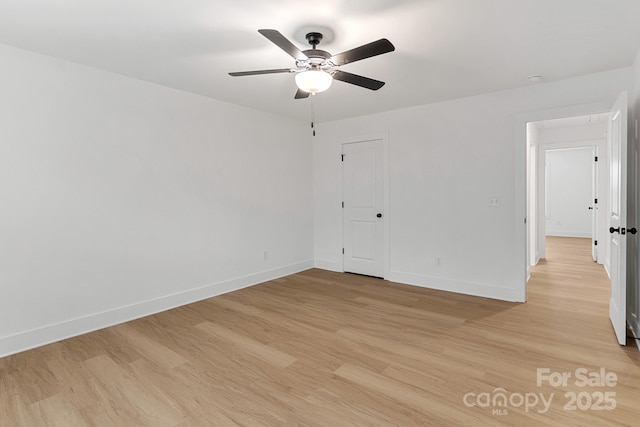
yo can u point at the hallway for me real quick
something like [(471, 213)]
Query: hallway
[(569, 271)]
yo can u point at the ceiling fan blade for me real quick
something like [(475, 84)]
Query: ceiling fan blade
[(375, 48), (357, 80), (255, 73), (283, 43), (301, 94)]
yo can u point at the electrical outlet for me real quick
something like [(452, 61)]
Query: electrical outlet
[(437, 261), (494, 202)]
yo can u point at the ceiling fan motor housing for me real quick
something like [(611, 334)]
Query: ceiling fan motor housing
[(316, 59)]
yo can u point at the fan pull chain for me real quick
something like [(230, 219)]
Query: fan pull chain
[(313, 116)]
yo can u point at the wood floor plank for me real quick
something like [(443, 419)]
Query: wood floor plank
[(320, 348), (268, 354), (128, 393), (150, 348)]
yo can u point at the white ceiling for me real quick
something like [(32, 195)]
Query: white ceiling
[(445, 49)]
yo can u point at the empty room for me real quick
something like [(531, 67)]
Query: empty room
[(341, 213)]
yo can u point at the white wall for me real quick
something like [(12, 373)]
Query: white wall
[(120, 198), (445, 161), (633, 203), (569, 192)]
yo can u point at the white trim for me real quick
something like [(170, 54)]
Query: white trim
[(324, 264), (386, 171), (467, 288), (59, 331)]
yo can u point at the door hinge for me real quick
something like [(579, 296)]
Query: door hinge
[(343, 204), (595, 159), (595, 243), (342, 157), (343, 251), (595, 200)]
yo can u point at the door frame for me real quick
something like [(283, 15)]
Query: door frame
[(521, 244), (386, 214), (602, 193)]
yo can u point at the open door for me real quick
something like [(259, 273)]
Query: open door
[(618, 217)]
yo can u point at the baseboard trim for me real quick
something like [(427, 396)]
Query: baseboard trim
[(48, 334), (467, 288), (461, 287), (328, 265)]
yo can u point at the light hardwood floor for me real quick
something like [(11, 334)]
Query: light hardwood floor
[(327, 349)]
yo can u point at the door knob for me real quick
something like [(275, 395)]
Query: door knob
[(379, 215), (614, 230), (590, 208), (632, 230)]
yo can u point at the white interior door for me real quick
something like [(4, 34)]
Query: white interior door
[(363, 216), (617, 218)]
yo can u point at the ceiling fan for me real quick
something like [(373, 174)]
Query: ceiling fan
[(316, 69)]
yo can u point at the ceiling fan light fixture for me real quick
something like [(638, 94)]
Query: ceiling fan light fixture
[(316, 69), (313, 81)]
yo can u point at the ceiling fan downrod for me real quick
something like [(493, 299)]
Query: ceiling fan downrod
[(314, 39)]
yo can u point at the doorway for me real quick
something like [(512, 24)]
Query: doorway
[(364, 208), (571, 200), (567, 183), (616, 150)]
